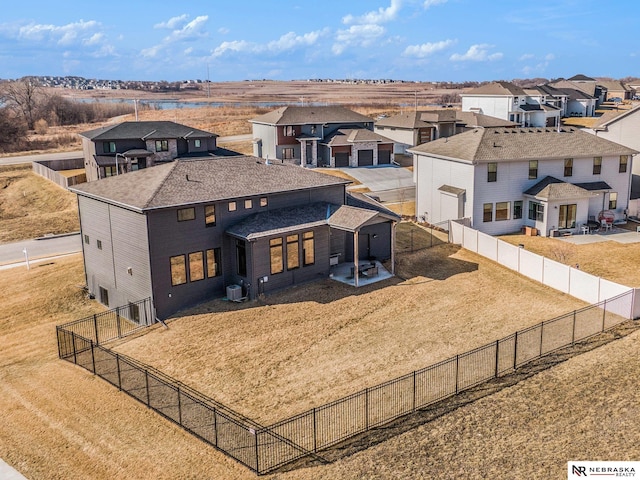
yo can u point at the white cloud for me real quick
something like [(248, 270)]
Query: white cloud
[(550, 56), (382, 15), (288, 41), (426, 49), (477, 53), (192, 29), (64, 35), (94, 39), (526, 56), (432, 3), (223, 30), (172, 22), (358, 35)]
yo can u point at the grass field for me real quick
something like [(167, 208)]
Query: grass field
[(31, 206), (307, 346), (61, 422)]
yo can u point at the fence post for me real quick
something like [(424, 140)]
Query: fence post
[(146, 382), (413, 409), (179, 408), (604, 313), (95, 326), (515, 352), (315, 435), (541, 337), (215, 426), (497, 356), (93, 359), (457, 371), (119, 374), (366, 408), (73, 342), (255, 434), (118, 324), (573, 333)]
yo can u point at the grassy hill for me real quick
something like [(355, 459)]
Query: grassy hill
[(31, 206)]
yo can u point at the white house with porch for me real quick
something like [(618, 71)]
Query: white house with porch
[(505, 179)]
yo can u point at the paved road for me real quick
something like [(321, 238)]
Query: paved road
[(13, 253), (381, 178), (44, 156), (234, 138), (389, 183)]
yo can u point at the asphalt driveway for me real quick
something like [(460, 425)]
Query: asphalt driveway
[(389, 183)]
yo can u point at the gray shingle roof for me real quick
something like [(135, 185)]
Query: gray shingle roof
[(283, 220), (612, 116), (475, 119), (504, 144), (293, 115), (550, 188), (497, 88), (581, 77), (357, 199), (189, 181), (146, 130), (404, 120), (349, 136)]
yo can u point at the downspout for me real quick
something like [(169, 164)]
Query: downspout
[(355, 257), (393, 247)]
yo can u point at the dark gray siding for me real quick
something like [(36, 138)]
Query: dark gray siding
[(121, 266), (262, 265), (169, 238)]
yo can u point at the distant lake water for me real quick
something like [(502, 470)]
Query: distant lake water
[(171, 104)]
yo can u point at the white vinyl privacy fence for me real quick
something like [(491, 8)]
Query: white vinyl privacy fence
[(558, 276)]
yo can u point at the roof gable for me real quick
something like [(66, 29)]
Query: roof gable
[(498, 89), (294, 115), (199, 180), (503, 144), (145, 130)]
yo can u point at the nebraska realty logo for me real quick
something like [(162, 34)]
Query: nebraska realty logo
[(603, 469)]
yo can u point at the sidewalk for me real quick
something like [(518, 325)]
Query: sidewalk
[(9, 473)]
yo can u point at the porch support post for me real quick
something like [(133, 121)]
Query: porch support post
[(314, 152), (303, 153), (393, 247), (355, 257)]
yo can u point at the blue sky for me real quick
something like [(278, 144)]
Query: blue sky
[(425, 40)]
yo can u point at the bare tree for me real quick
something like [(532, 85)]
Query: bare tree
[(24, 98), (12, 133)]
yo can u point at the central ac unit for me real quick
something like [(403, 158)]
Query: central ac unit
[(234, 293)]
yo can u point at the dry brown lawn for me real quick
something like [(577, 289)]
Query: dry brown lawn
[(313, 344), (31, 206), (61, 422), (617, 262)]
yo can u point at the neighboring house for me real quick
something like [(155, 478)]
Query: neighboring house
[(585, 84), (182, 232), (357, 147), (301, 135), (131, 146), (510, 102), (504, 179), (414, 128), (579, 103), (623, 127), (614, 89)]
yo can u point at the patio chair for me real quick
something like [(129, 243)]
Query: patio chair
[(606, 226)]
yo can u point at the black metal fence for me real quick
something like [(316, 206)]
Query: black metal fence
[(411, 236), (264, 449)]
